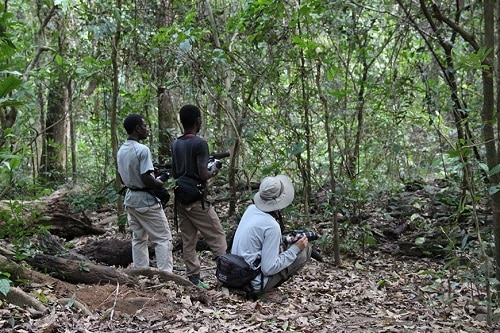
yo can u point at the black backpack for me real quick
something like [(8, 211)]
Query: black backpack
[(234, 272)]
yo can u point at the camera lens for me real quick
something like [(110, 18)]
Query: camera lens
[(163, 176), (311, 235)]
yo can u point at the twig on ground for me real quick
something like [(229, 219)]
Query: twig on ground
[(114, 303)]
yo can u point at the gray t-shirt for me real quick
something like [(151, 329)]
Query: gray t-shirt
[(258, 236), (134, 159)]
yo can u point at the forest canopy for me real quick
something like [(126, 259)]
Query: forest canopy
[(305, 89)]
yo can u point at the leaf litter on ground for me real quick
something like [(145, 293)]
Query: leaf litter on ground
[(377, 294)]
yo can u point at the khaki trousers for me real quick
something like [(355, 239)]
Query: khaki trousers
[(202, 218), (150, 223)]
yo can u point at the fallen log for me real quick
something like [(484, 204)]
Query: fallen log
[(67, 226), (76, 271), (20, 272), (110, 251), (54, 212), (118, 251)]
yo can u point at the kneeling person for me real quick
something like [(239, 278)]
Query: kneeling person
[(259, 234)]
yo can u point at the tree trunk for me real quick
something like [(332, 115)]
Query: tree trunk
[(331, 163), (494, 150), (72, 131), (305, 168), (54, 147), (8, 116), (114, 116), (54, 152), (166, 121), (167, 114), (488, 119)]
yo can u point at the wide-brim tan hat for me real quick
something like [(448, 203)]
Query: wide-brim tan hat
[(275, 193)]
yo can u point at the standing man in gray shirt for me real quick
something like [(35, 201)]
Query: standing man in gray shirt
[(145, 214), (259, 235)]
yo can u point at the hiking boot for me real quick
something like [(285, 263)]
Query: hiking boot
[(195, 279)]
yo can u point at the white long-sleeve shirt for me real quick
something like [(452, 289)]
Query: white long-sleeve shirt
[(258, 236)]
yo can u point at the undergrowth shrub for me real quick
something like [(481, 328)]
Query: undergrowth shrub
[(91, 200)]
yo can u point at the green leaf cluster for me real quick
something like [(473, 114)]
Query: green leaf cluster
[(9, 80)]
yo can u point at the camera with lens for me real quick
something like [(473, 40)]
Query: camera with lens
[(290, 239), (163, 176), (215, 160), (217, 163), (163, 172)]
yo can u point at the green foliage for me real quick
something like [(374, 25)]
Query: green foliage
[(15, 226), (260, 52), (258, 21), (82, 202), (83, 266), (468, 267), (16, 179), (122, 221), (357, 238), (494, 188), (41, 296), (92, 200), (17, 229), (10, 79), (5, 283), (6, 45), (7, 85)]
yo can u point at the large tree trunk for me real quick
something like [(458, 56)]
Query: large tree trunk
[(494, 159), (54, 152), (54, 149)]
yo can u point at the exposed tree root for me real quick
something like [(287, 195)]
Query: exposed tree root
[(162, 275), (70, 302), (18, 297)]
